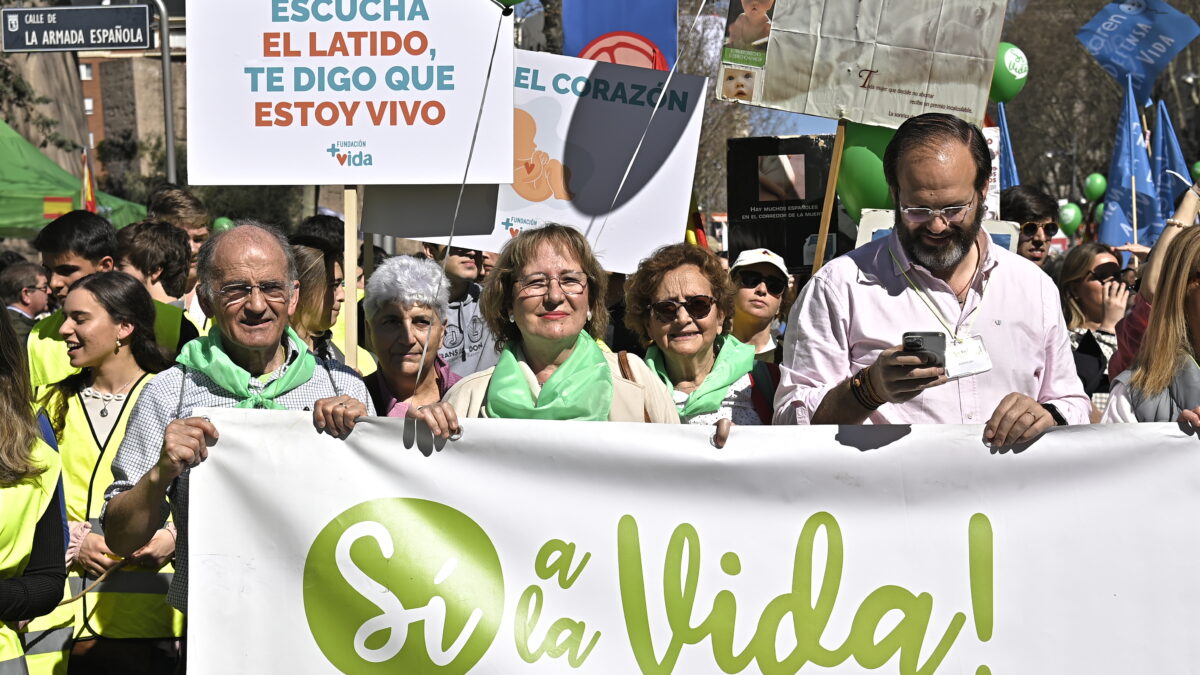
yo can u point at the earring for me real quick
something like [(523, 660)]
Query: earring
[(118, 349), (589, 315), (512, 318)]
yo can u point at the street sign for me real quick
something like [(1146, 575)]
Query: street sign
[(69, 29)]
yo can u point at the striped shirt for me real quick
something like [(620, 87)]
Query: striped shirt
[(173, 394)]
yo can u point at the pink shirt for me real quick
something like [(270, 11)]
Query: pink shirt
[(860, 304)]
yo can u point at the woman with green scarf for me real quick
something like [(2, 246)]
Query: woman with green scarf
[(544, 302), (681, 300)]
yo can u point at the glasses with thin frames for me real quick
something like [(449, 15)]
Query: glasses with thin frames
[(775, 285), (45, 288), (273, 291), (919, 215), (1048, 229), (697, 307), (536, 286)]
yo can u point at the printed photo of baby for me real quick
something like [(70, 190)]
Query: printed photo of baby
[(749, 24), (737, 84)]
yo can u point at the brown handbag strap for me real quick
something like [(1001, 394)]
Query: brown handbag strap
[(627, 373)]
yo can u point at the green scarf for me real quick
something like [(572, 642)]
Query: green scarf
[(206, 355), (734, 359), (580, 389)]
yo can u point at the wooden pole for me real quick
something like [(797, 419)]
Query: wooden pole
[(835, 168), (350, 275), (1133, 206)]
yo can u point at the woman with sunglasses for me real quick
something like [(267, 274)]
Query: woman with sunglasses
[(682, 301), (544, 301), (1093, 301), (760, 279)]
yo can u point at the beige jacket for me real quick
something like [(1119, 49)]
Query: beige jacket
[(632, 399)]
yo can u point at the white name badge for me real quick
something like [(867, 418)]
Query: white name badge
[(965, 358)]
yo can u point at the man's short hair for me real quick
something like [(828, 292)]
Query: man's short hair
[(205, 262), (329, 228), (177, 206), (17, 277), (930, 130), (81, 232), (1023, 204), (158, 245)]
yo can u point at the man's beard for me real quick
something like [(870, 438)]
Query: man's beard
[(940, 258)]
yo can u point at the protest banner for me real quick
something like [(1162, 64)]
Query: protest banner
[(876, 63), (578, 125), (551, 547), (286, 92)]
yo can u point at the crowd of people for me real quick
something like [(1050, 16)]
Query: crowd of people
[(112, 339)]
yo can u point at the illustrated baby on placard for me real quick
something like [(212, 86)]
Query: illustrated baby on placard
[(752, 25), (536, 177)]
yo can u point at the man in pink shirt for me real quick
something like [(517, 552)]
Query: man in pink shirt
[(1007, 351)]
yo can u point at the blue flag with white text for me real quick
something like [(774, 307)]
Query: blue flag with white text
[(1130, 168), (1167, 155), (630, 32), (1137, 38), (1008, 162)]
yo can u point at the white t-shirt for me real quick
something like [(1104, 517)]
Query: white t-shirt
[(737, 406)]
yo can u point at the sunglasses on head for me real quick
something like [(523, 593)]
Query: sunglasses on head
[(775, 285), (1048, 229), (1106, 272), (697, 307)]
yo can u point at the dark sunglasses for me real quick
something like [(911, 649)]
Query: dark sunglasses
[(1048, 229), (697, 307), (775, 285), (1106, 271)]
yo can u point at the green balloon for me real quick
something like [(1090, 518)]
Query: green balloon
[(1099, 213), (861, 184), (1196, 171), (1011, 73), (1069, 217), (221, 224), (1094, 186)]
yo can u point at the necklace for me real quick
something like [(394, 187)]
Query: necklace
[(107, 397)]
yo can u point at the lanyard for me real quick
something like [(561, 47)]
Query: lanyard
[(937, 313)]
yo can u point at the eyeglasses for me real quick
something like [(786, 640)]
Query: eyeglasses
[(536, 286), (45, 288), (697, 307), (775, 285), (273, 291), (919, 215), (1048, 229), (1106, 272)]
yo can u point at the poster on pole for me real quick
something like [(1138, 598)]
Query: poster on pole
[(577, 125), (292, 92), (585, 547), (877, 62)]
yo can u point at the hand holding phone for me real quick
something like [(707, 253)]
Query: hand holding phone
[(929, 346)]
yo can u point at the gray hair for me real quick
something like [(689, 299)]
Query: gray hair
[(205, 259), (408, 281)]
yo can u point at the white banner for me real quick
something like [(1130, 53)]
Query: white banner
[(577, 125), (303, 92), (877, 62), (547, 547)]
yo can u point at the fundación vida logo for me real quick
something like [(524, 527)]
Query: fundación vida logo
[(350, 153), (377, 603)]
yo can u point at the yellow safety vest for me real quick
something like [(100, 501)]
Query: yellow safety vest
[(130, 602), (366, 360), (48, 360), (21, 507)]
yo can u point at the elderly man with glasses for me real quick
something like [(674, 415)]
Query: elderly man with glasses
[(25, 290), (932, 324), (253, 359)]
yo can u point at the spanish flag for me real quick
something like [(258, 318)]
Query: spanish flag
[(87, 196), (53, 207)]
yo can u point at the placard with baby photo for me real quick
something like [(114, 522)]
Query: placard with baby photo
[(746, 32), (739, 84)]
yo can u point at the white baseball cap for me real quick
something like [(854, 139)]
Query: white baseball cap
[(760, 255)]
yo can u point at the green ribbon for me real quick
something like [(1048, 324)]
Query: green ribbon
[(734, 359), (206, 355), (580, 389)]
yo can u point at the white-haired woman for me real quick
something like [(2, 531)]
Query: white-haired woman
[(405, 309)]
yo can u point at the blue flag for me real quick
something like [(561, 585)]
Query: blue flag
[(1130, 161), (1167, 155), (1137, 38), (1008, 162), (631, 32)]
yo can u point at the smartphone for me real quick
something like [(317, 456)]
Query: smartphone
[(932, 345)]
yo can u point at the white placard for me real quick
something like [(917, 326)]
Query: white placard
[(642, 548), (577, 125), (284, 92)]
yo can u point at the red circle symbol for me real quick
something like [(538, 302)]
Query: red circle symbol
[(627, 49)]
